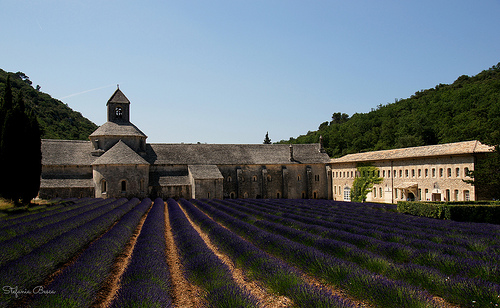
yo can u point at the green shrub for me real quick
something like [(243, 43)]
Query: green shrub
[(470, 211)]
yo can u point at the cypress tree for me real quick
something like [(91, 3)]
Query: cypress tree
[(20, 151)]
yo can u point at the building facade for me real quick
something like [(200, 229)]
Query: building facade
[(427, 173), (118, 162)]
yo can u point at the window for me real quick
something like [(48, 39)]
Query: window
[(395, 193), (441, 172), (347, 194), (299, 178), (352, 174), (419, 173), (254, 178), (208, 195), (466, 195), (231, 195), (119, 112), (142, 184), (103, 187), (124, 186), (433, 172), (334, 190), (400, 173), (457, 172), (316, 177), (426, 173), (278, 195), (383, 173), (426, 192), (343, 174), (269, 178), (412, 173), (374, 192), (380, 192), (406, 172), (449, 172), (448, 197), (419, 194), (456, 194), (229, 179), (466, 170)]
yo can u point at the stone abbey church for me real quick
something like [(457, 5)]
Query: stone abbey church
[(118, 162)]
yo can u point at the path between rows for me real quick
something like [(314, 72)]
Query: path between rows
[(111, 285), (184, 293), (265, 298)]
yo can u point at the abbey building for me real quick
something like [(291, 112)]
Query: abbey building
[(117, 162)]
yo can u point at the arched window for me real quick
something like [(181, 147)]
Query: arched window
[(254, 178), (278, 195), (103, 186), (229, 179), (269, 178), (347, 193), (123, 186), (231, 195)]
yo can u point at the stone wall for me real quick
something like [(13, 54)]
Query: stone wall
[(116, 181)]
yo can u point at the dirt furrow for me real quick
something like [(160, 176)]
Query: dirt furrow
[(184, 293), (265, 298), (112, 284)]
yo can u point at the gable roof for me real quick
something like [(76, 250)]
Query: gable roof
[(125, 129), (66, 152), (120, 154), (118, 97), (456, 148), (205, 172), (234, 154)]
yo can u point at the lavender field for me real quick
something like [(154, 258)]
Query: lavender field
[(244, 253)]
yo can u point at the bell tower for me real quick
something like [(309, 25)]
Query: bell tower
[(118, 108)]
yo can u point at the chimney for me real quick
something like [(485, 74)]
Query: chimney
[(291, 153), (321, 148)]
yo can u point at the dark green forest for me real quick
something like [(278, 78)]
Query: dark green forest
[(56, 119), (467, 109)]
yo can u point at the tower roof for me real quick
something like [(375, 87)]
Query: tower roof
[(118, 129), (118, 97)]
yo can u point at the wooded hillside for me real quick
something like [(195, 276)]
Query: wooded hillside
[(56, 119), (465, 110)]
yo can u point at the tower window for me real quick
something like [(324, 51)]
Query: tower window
[(103, 187), (124, 186), (119, 112)]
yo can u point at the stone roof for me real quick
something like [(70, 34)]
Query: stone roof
[(118, 129), (457, 148), (66, 152), (120, 154), (234, 154), (64, 183), (118, 97), (205, 172)]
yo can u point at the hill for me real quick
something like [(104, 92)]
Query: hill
[(467, 109), (56, 119)]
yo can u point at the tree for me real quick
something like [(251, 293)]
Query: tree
[(20, 151), (486, 176), (267, 140), (363, 183)]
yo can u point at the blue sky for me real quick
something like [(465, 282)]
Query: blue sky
[(229, 71)]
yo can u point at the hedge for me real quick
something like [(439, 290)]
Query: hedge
[(469, 211)]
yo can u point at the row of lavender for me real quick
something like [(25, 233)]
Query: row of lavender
[(45, 249), (79, 283), (277, 275), (306, 242), (202, 267), (53, 226), (449, 259)]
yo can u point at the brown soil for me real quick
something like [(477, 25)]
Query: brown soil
[(184, 294), (111, 285), (263, 296)]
